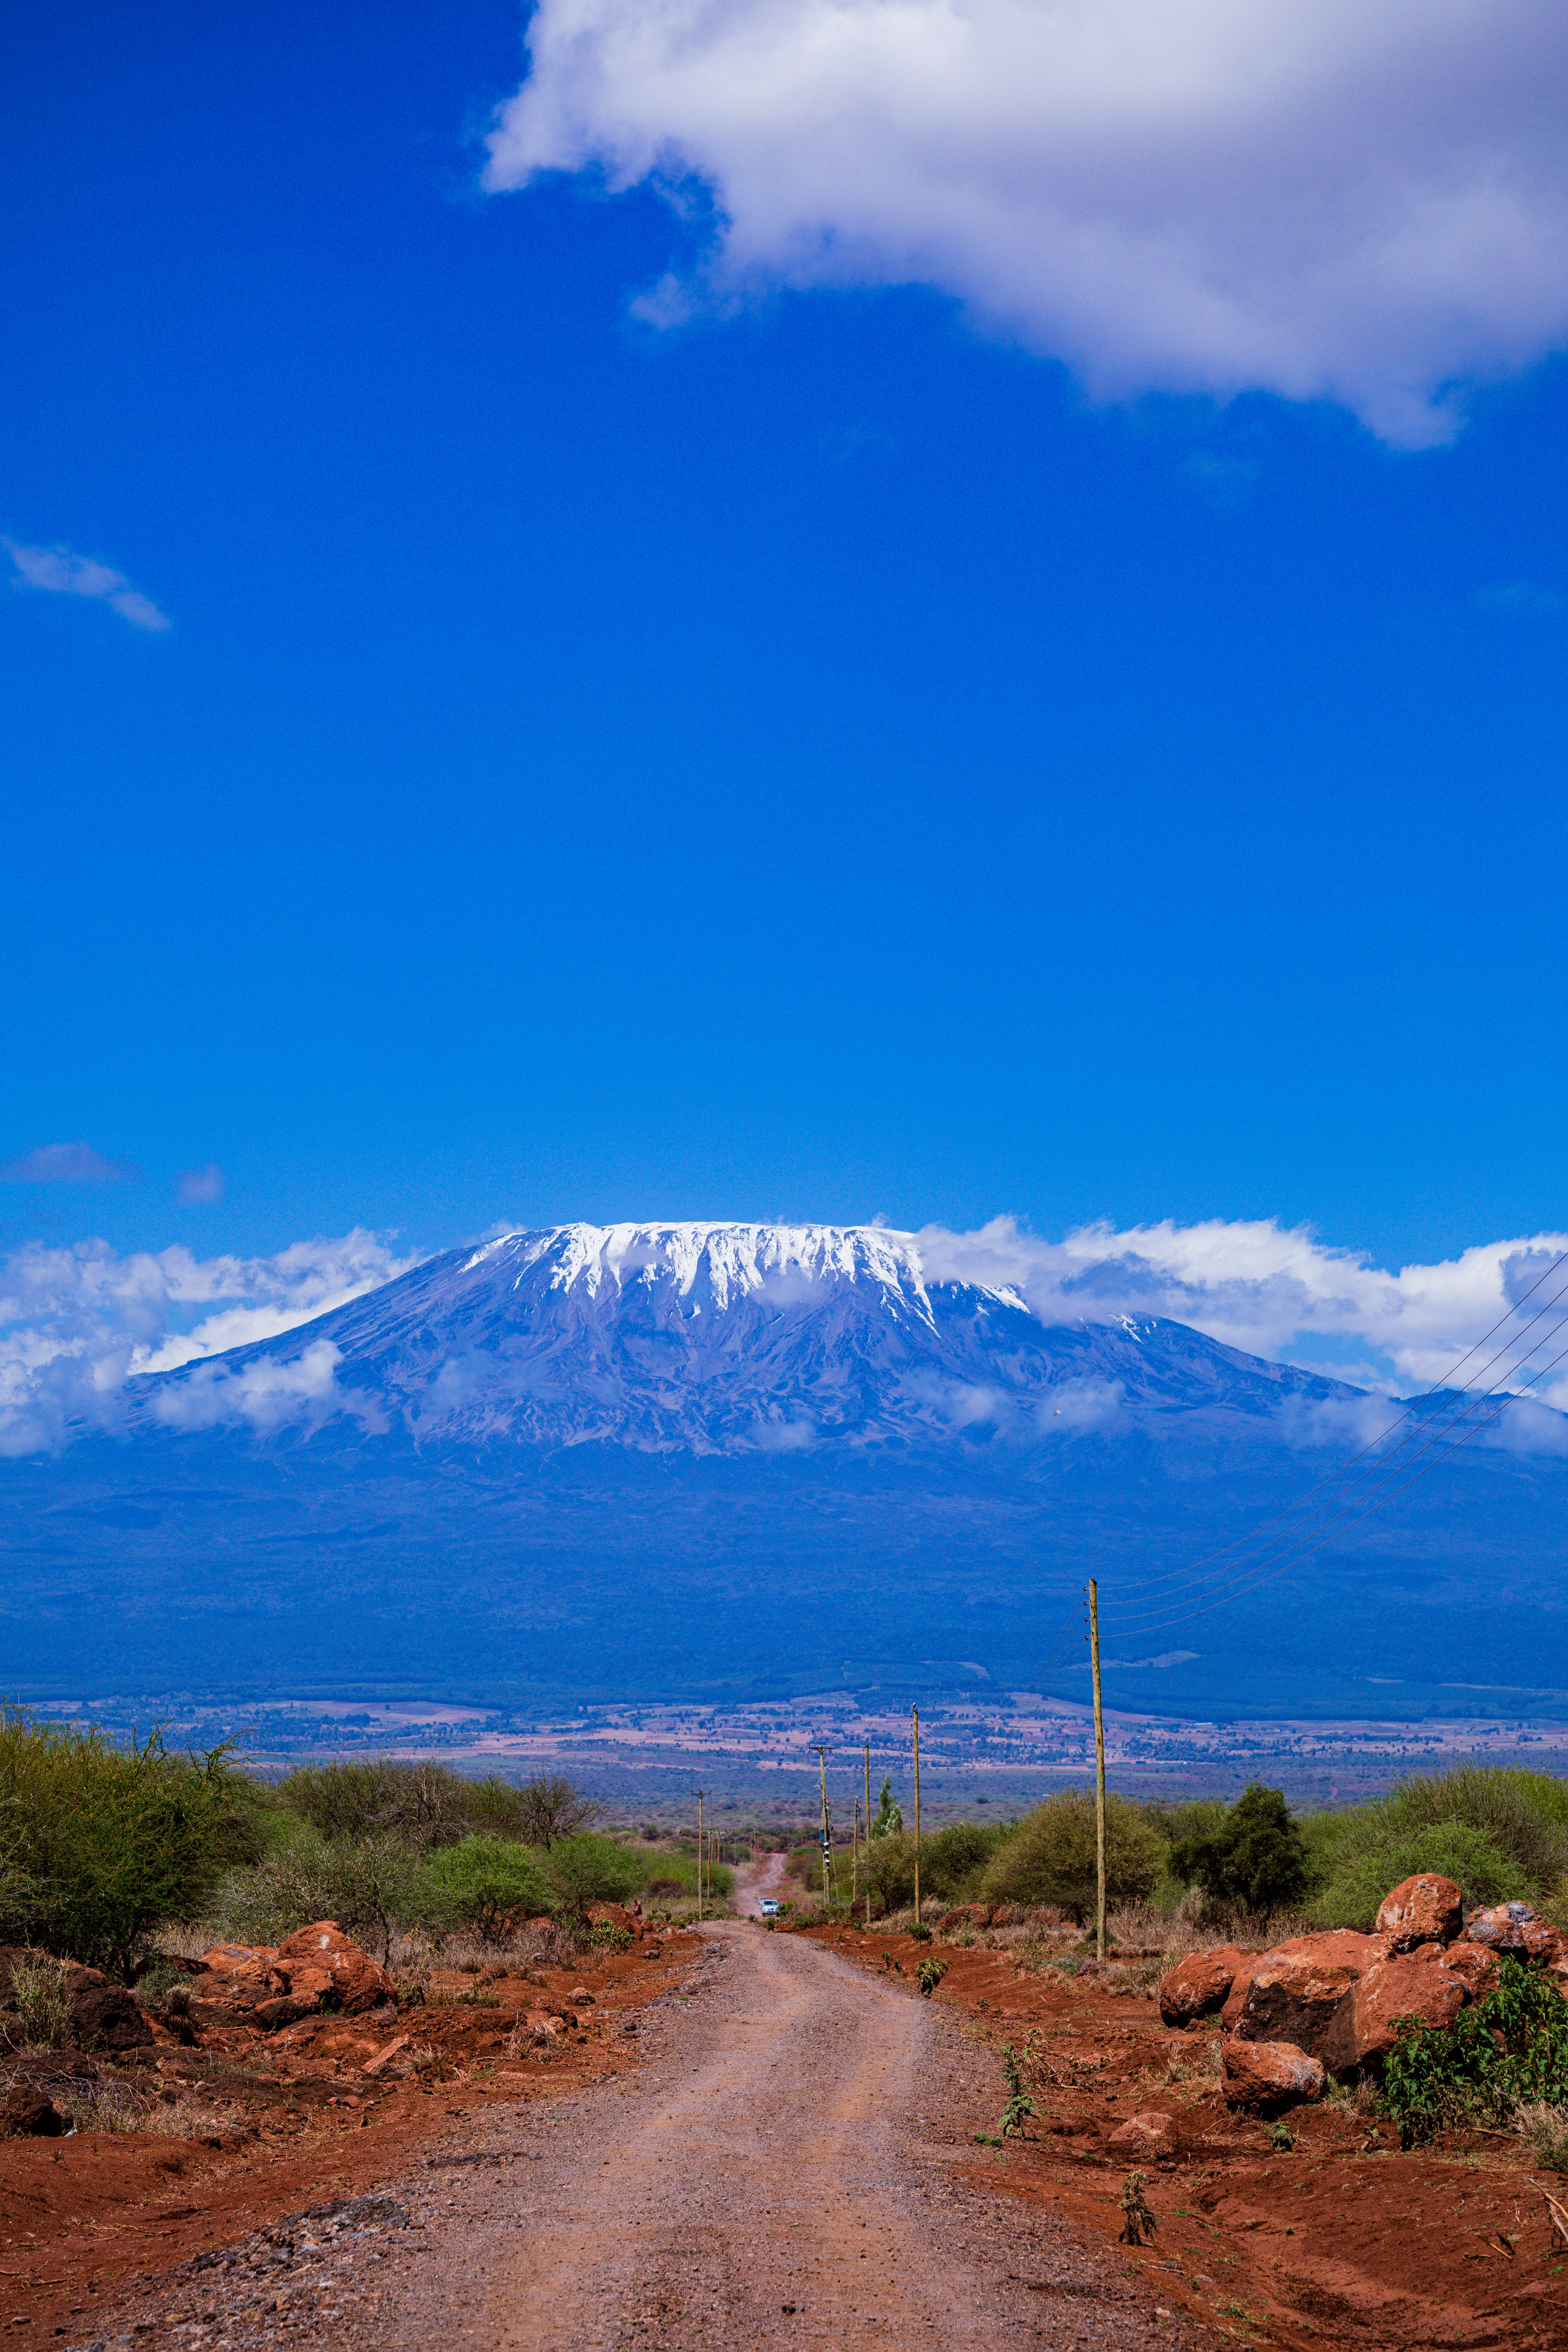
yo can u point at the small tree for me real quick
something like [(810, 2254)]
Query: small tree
[(584, 1870), (478, 1885), (1256, 1857), (888, 1820), (97, 1844), (551, 1809)]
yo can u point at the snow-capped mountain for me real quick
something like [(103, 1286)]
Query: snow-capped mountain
[(704, 1458), (709, 1339)]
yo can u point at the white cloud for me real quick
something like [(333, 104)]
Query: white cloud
[(65, 1163), (1272, 1291), (62, 573), (1363, 200), (76, 1324), (267, 1395)]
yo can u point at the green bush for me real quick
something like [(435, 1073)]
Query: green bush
[(97, 1844), (1050, 1857), (676, 1875), (369, 1885), (1504, 2051), (477, 1884), (1254, 1856), (1361, 1875), (587, 1869), (1524, 1814)]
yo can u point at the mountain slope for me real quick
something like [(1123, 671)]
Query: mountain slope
[(711, 1338)]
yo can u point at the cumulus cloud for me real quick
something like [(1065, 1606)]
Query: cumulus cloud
[(65, 1163), (1361, 200), (267, 1395), (198, 1185), (62, 573), (77, 1324), (1273, 1291)]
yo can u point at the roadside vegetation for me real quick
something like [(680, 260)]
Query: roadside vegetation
[(106, 1853)]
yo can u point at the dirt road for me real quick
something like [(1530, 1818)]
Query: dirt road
[(782, 2171)]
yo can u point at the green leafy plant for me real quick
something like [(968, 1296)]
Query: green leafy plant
[(1020, 2106), (931, 1972), (480, 1884), (1504, 2051), (1282, 2140), (103, 1842), (1256, 1857)]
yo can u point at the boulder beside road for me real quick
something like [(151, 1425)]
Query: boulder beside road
[(1270, 2073), (321, 1960), (1407, 1984), (1423, 1909), (1330, 1999), (1200, 1985)]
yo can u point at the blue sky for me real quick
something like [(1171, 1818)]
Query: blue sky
[(826, 757)]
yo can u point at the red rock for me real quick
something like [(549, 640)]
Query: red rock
[(1245, 1963), (1198, 1985), (1147, 2135), (27, 2113), (966, 1914), (354, 1981), (238, 1977), (1514, 1932), (1425, 1910), (107, 2017), (1474, 1965), (1292, 2000), (1421, 1984), (284, 2009), (1335, 1947), (1270, 2073)]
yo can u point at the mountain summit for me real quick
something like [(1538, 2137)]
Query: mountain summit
[(711, 1338)]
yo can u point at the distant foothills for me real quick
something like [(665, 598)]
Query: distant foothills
[(728, 1461)]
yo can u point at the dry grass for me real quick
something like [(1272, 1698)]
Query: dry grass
[(119, 2107), (1544, 2130)]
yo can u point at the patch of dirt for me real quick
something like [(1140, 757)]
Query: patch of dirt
[(1342, 2239), (248, 2126)]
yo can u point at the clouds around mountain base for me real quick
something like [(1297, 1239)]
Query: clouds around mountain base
[(77, 1325)]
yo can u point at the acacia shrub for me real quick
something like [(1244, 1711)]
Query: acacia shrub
[(97, 1844), (1050, 1856)]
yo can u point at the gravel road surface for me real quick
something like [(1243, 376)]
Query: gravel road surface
[(781, 2170)]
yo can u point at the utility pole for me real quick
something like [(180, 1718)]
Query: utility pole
[(1099, 1772), (701, 1850), (826, 1832), (868, 1837), (855, 1860), (915, 1720)]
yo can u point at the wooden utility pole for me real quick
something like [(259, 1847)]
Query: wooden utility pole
[(1099, 1772), (868, 1837), (855, 1859), (699, 1854), (915, 1720), (826, 1832)]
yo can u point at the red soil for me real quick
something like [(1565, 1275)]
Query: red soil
[(84, 2219), (1343, 2239)]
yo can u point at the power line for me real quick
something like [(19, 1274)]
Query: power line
[(1338, 1490)]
